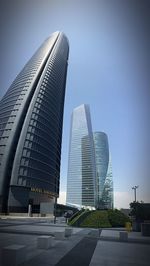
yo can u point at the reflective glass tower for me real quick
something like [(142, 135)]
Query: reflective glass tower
[(81, 181), (31, 118), (103, 171)]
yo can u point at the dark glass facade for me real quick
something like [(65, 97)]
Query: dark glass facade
[(31, 118)]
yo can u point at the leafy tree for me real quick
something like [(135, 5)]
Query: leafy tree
[(141, 211)]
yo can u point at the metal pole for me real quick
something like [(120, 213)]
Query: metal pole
[(135, 188), (55, 204)]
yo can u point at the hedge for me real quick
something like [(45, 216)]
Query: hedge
[(117, 218), (96, 219), (99, 219)]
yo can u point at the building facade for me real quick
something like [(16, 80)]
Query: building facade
[(81, 180), (103, 171), (31, 119)]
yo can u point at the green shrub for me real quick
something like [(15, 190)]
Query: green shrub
[(117, 218), (96, 219), (99, 219), (141, 211)]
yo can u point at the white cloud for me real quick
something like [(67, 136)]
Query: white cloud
[(122, 199), (62, 197)]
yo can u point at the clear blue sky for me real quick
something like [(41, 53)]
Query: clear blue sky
[(109, 69)]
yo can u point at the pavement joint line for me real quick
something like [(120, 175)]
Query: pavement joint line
[(130, 240), (26, 232), (13, 224), (105, 238), (39, 224)]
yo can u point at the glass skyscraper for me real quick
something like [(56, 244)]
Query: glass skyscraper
[(81, 181), (103, 171), (31, 118)]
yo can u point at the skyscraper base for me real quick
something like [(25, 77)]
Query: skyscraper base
[(24, 201)]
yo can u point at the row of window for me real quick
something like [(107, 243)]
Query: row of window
[(39, 156), (50, 105), (35, 184), (38, 159), (47, 150), (44, 119), (45, 142), (38, 174), (10, 100)]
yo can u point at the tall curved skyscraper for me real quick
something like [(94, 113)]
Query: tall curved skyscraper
[(81, 180), (103, 171), (31, 118)]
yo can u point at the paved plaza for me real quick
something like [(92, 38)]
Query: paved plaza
[(84, 247)]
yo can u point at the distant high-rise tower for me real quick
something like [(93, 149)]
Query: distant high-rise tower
[(103, 171), (31, 118), (81, 182)]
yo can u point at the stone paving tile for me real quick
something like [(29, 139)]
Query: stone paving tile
[(134, 237), (110, 233), (120, 254), (107, 253), (51, 256)]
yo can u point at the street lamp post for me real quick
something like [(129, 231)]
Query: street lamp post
[(55, 207), (135, 188)]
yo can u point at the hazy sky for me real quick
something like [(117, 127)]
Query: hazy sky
[(109, 69)]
